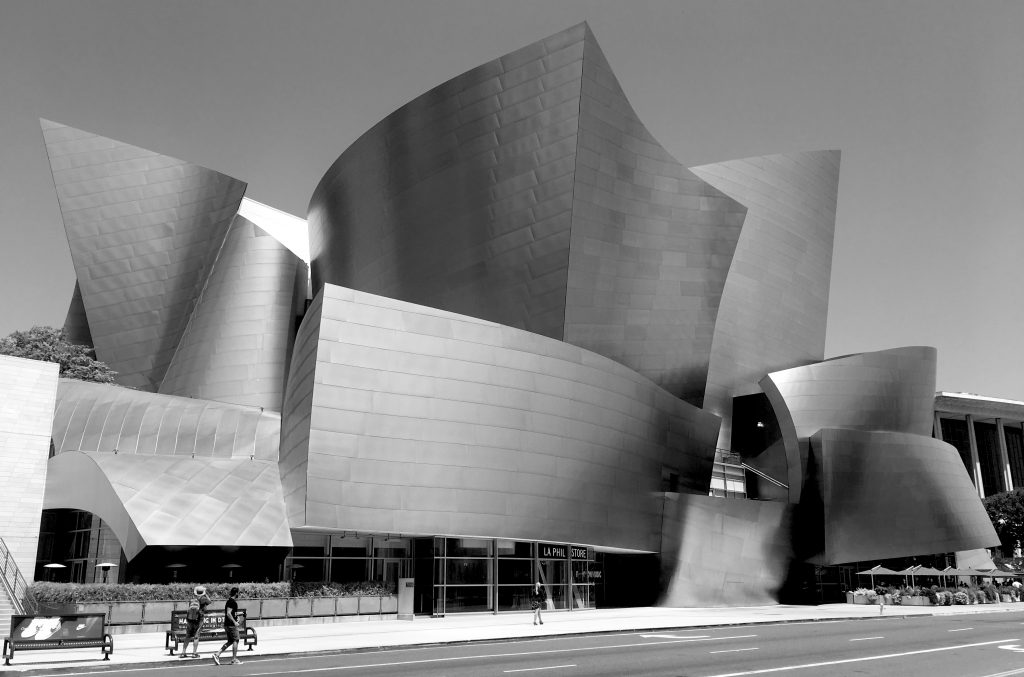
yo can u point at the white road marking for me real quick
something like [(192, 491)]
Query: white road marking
[(1008, 673), (550, 667), (753, 648), (675, 636), (804, 666), (507, 655), (1013, 647), (959, 629), (864, 639)]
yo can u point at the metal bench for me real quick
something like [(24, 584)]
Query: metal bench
[(74, 631), (211, 629)]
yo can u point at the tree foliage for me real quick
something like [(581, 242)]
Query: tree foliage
[(1006, 510), (52, 345)]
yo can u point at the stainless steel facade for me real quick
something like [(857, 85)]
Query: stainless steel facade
[(237, 343), (779, 277), (413, 420), (885, 390), (527, 192), (177, 501), (144, 231), (528, 325), (100, 418), (892, 494)]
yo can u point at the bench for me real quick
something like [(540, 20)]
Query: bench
[(72, 631), (211, 629)]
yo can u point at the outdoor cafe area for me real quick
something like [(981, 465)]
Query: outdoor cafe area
[(923, 585)]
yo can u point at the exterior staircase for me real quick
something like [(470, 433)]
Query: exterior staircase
[(13, 588)]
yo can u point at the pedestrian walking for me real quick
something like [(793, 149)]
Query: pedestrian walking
[(230, 629), (538, 599), (194, 621)]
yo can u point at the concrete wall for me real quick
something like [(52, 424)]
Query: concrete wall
[(28, 390), (427, 422), (724, 552)]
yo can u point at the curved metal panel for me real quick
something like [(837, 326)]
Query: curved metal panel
[(144, 230), (107, 418), (461, 199), (427, 422), (650, 247), (890, 494), (237, 343), (724, 552), (527, 192), (890, 390), (157, 500), (775, 302)]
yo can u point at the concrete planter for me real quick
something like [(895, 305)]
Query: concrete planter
[(274, 608), (299, 607), (369, 605), (324, 606), (389, 605), (348, 606), (916, 601), (128, 613)]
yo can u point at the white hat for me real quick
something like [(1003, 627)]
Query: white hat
[(199, 590)]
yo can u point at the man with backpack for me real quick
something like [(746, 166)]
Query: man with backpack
[(194, 621)]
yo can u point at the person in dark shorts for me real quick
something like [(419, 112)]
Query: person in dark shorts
[(194, 621), (230, 629), (538, 599)]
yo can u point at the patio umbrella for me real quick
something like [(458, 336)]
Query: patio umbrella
[(910, 571), (877, 569), (929, 571), (106, 567)]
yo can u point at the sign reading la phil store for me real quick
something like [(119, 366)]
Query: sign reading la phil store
[(548, 551)]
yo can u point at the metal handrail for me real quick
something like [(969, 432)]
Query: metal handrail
[(14, 583), (764, 476)]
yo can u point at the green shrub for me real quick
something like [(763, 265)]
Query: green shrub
[(53, 594)]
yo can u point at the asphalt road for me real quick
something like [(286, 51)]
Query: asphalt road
[(982, 645)]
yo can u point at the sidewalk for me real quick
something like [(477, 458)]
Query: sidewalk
[(148, 648)]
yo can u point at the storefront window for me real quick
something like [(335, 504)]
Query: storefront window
[(470, 547), (468, 598), (476, 571)]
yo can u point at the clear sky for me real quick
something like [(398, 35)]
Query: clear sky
[(924, 97)]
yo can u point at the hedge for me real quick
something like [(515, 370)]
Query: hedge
[(44, 592)]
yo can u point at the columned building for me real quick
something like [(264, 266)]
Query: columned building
[(988, 432)]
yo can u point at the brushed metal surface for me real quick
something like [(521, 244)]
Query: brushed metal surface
[(236, 345), (144, 230), (411, 419), (889, 390), (724, 552), (775, 302), (527, 192), (161, 500), (108, 418), (894, 494)]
